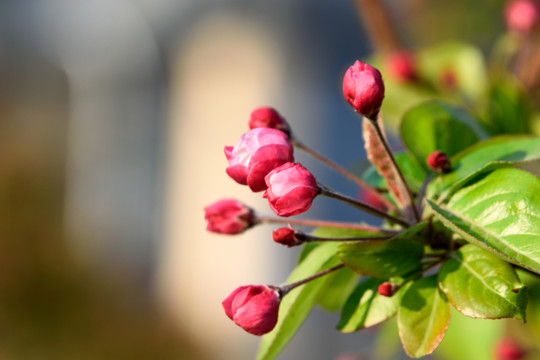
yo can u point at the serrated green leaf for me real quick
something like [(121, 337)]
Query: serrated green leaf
[(481, 285), (338, 290), (423, 317), (381, 258), (436, 125), (297, 304), (485, 156), (365, 307), (499, 213)]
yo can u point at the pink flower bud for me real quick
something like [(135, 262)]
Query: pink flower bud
[(522, 16), (228, 216), (291, 189), (438, 161), (254, 308), (509, 349), (402, 66), (363, 88), (258, 152), (368, 198), (269, 118), (387, 289), (285, 236)]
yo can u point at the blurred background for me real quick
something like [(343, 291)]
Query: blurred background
[(113, 119)]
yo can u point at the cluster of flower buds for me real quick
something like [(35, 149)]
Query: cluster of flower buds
[(263, 160)]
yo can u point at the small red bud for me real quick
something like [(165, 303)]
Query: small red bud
[(387, 289), (254, 308), (439, 162), (285, 236), (269, 118), (522, 16), (256, 153), (401, 66), (363, 88), (509, 349), (228, 216), (291, 189), (448, 79)]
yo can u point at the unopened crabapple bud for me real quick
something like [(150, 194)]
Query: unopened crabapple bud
[(439, 162), (254, 308), (363, 88), (387, 289), (401, 66), (285, 236), (291, 189), (509, 349), (229, 216), (269, 118), (522, 16), (256, 153)]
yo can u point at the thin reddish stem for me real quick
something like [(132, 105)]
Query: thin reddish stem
[(324, 223), (346, 173)]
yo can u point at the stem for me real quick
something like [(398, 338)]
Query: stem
[(326, 191), (346, 173), (422, 193), (409, 208), (375, 17), (283, 290), (311, 238), (323, 223)]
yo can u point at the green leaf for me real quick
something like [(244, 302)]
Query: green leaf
[(507, 110), (436, 125), (499, 213), (464, 60), (365, 307), (488, 155), (297, 304), (481, 285), (338, 290), (423, 317), (381, 258)]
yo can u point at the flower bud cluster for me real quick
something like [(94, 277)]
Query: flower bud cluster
[(263, 160)]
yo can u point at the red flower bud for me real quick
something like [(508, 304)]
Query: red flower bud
[(363, 88), (254, 308), (291, 189), (368, 198), (522, 16), (448, 79), (387, 289), (258, 152), (269, 118), (509, 349), (402, 66), (228, 216), (285, 236), (438, 161)]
